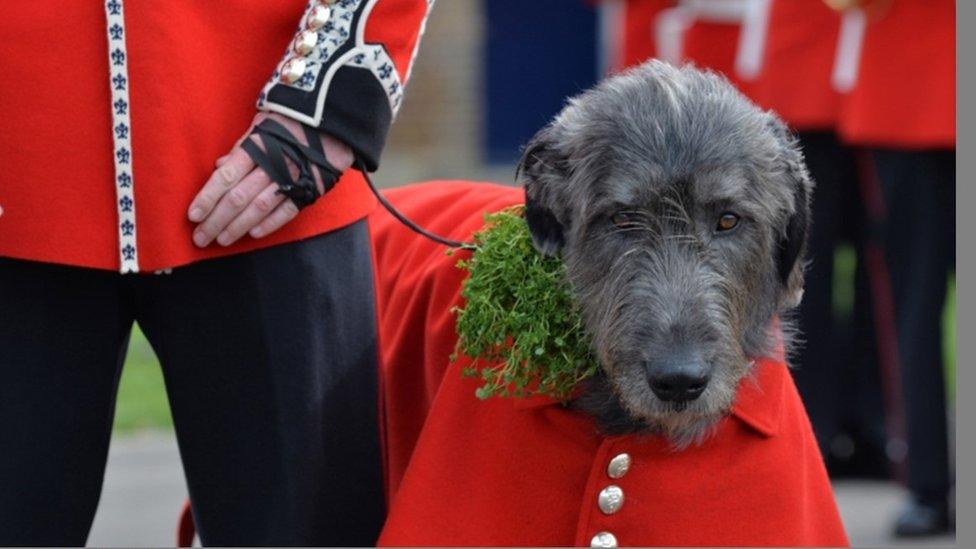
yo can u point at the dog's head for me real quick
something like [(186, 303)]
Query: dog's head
[(680, 211)]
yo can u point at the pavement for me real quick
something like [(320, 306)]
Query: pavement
[(144, 491), (142, 494)]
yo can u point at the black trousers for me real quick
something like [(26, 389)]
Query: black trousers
[(269, 360), (916, 224), (836, 365)]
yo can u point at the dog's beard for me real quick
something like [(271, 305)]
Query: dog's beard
[(682, 423), (624, 403)]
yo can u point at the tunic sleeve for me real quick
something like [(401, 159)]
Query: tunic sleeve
[(345, 69)]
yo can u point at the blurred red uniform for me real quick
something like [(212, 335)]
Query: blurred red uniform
[(901, 111), (905, 95), (798, 63), (718, 34)]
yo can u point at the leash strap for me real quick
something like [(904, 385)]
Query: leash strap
[(279, 143), (409, 223)]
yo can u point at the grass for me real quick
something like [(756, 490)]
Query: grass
[(142, 396)]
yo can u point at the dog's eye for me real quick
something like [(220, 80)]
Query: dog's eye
[(726, 222), (624, 219)]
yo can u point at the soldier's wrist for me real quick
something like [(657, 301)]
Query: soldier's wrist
[(338, 153)]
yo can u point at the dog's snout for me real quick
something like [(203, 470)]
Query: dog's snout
[(681, 377), (678, 387)]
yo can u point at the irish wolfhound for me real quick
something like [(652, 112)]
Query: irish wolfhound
[(680, 211)]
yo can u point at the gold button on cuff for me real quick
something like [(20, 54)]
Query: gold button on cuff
[(305, 42), (293, 70), (611, 499), (318, 17), (619, 466), (604, 539)]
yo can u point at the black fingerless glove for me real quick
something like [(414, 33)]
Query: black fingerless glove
[(279, 143)]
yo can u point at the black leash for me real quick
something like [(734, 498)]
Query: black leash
[(406, 220)]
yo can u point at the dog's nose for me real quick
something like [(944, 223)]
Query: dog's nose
[(678, 387), (680, 378)]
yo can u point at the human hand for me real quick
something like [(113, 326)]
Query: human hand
[(239, 198)]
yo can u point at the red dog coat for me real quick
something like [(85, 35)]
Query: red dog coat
[(462, 471)]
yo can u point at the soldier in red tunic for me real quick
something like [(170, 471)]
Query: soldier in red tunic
[(261, 315), (810, 51), (901, 110)]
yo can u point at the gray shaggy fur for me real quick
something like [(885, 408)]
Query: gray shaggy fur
[(674, 148)]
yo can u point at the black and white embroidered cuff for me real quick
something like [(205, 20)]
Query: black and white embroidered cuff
[(330, 79)]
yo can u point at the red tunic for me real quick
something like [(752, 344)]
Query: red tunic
[(635, 29), (714, 46), (798, 63), (693, 36), (189, 74), (905, 95), (416, 286), (462, 471)]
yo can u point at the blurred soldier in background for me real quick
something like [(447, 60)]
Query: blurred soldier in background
[(901, 110), (805, 67)]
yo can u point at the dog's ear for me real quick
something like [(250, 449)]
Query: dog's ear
[(541, 171), (792, 244)]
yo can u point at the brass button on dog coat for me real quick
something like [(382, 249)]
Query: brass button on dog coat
[(604, 539), (611, 499), (618, 466)]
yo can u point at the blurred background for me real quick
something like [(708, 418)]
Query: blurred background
[(869, 88)]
